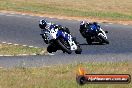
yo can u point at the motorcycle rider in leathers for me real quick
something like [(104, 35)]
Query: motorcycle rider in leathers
[(89, 28), (44, 25)]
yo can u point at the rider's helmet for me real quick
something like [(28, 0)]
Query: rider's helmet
[(96, 24), (82, 25), (82, 22), (42, 24)]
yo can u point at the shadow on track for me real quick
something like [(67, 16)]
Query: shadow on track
[(95, 43)]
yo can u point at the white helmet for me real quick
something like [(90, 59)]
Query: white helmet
[(42, 24), (82, 22)]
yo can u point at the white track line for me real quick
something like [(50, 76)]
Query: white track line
[(12, 13), (16, 44), (110, 23), (4, 42), (1, 67), (6, 55), (9, 43), (125, 24), (36, 47), (100, 22), (22, 54), (106, 25), (33, 54), (30, 46), (51, 54), (23, 14), (24, 45), (40, 16)]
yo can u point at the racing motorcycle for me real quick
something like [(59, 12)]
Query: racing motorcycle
[(60, 40), (98, 36)]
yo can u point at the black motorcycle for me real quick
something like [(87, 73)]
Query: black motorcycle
[(95, 36)]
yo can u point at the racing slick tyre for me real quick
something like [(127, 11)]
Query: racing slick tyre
[(103, 40), (89, 41), (64, 45), (79, 50), (51, 49)]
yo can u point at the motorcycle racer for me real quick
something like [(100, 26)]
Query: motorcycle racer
[(44, 25), (93, 32), (87, 27)]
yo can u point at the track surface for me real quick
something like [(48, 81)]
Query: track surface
[(24, 30)]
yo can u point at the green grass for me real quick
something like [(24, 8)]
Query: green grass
[(103, 9), (62, 76), (15, 50)]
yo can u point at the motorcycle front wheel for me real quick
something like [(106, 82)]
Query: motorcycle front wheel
[(103, 40), (64, 45)]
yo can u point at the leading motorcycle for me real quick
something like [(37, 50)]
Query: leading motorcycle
[(60, 40)]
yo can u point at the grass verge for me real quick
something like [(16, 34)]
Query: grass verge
[(62, 76), (102, 9), (6, 49)]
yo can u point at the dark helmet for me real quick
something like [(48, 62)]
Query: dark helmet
[(96, 24), (42, 24)]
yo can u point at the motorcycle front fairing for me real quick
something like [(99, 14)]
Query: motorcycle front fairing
[(44, 36), (53, 34), (67, 37), (102, 33)]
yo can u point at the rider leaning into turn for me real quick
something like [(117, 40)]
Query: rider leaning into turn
[(86, 27), (43, 24)]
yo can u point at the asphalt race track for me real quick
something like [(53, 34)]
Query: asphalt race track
[(23, 29)]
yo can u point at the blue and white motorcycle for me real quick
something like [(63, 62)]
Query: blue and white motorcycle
[(60, 40), (94, 33)]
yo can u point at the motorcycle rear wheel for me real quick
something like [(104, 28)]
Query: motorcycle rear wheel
[(51, 49), (89, 41), (79, 50)]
